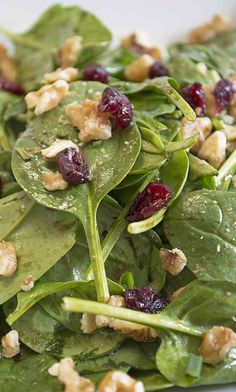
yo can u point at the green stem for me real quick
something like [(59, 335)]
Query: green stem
[(96, 256), (21, 39), (150, 320), (226, 172)]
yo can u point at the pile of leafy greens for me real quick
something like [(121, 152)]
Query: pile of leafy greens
[(77, 243)]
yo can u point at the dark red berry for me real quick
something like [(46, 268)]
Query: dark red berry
[(195, 96), (151, 200), (11, 87), (72, 166), (118, 105), (158, 69), (223, 92), (96, 73), (145, 300)]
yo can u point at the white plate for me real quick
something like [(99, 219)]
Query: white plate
[(162, 20)]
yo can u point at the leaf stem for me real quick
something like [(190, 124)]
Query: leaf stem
[(150, 320), (226, 172)]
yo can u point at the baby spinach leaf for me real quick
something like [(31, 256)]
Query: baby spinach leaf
[(34, 49), (109, 162), (152, 380), (199, 168), (41, 239), (157, 273), (202, 225), (204, 304), (5, 98)]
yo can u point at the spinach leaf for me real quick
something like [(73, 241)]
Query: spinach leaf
[(5, 98), (34, 49), (203, 304), (157, 273), (152, 380), (109, 162), (202, 225), (199, 168)]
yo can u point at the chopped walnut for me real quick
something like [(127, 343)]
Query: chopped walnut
[(176, 293), (138, 43), (213, 149), (230, 132), (53, 181), (118, 381), (92, 124), (11, 344), (68, 74), (88, 323), (207, 31), (67, 375), (47, 97), (173, 260), (231, 146), (27, 283), (201, 125), (138, 70), (8, 69), (211, 104), (56, 147), (8, 261), (68, 53), (216, 344)]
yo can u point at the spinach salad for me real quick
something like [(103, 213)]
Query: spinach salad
[(117, 208)]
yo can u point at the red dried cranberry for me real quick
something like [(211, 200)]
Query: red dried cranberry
[(96, 72), (195, 96), (12, 87), (118, 105), (72, 166), (145, 300), (151, 200), (158, 69), (223, 92)]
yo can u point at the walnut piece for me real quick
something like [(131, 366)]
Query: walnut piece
[(173, 260), (56, 147), (211, 104), (138, 70), (8, 261), (201, 125), (68, 74), (216, 344), (8, 69), (47, 97), (27, 283), (88, 323), (213, 149), (218, 24), (92, 124), (139, 44), (69, 52), (230, 132), (118, 381), (53, 181), (67, 375), (11, 344)]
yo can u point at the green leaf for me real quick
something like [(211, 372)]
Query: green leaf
[(152, 380), (5, 99), (226, 172), (202, 225), (157, 273), (182, 144)]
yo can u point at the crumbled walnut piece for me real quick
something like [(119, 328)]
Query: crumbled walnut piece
[(207, 31), (68, 74), (138, 43), (120, 382), (230, 132), (8, 69), (88, 323), (56, 147), (11, 344), (68, 53), (8, 261), (173, 260), (53, 181), (213, 149), (211, 104), (92, 124), (231, 146), (216, 344), (201, 125), (27, 283), (176, 293), (138, 70), (47, 97), (67, 375)]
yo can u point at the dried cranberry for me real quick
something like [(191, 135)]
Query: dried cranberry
[(72, 166), (145, 300), (223, 92), (118, 105), (195, 96), (12, 87), (96, 72), (158, 69), (151, 200)]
